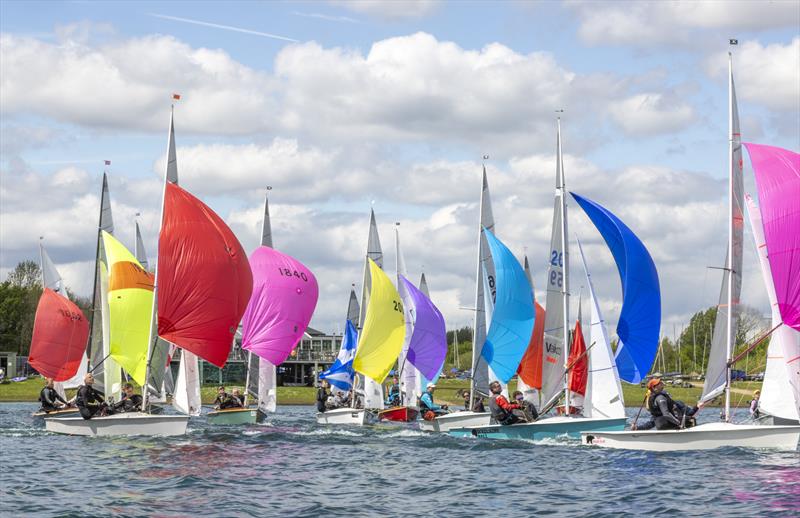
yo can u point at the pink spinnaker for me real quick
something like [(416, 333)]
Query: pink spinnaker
[(778, 180), (284, 297)]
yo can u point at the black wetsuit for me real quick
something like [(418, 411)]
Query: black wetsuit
[(322, 398), (129, 404), (89, 401), (226, 400), (664, 411), (48, 398)]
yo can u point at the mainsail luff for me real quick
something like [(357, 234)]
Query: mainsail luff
[(718, 376), (98, 318), (484, 278), (556, 335)]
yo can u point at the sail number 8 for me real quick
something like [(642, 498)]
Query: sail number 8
[(293, 273)]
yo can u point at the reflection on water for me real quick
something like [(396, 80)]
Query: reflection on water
[(291, 467)]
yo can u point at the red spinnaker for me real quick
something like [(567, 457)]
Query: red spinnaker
[(530, 368), (60, 332), (204, 278), (579, 374)]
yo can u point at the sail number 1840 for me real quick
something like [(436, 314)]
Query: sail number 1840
[(293, 273)]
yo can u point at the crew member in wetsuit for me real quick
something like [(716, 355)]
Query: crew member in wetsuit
[(238, 398), (90, 401), (322, 396), (503, 411), (667, 413), (130, 402), (49, 397), (393, 393), (426, 403), (224, 400)]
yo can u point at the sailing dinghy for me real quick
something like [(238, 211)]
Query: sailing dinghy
[(60, 331), (777, 178), (485, 290), (284, 296), (202, 285)]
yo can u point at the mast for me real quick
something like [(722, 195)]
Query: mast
[(266, 240), (729, 266), (565, 268), (170, 175), (479, 302)]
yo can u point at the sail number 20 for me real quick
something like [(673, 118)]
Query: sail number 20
[(293, 273), (398, 306)]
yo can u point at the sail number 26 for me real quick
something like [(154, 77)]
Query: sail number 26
[(293, 273), (556, 259)]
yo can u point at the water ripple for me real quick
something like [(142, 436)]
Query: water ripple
[(289, 466)]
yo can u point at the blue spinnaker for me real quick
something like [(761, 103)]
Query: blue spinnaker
[(340, 375), (640, 319), (513, 316)]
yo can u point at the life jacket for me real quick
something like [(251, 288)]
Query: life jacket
[(655, 411), (498, 413)]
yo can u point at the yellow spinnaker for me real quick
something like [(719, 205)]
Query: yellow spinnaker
[(384, 330), (130, 304)]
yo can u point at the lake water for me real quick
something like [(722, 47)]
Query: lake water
[(292, 467)]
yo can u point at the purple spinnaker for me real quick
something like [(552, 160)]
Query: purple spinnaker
[(428, 346), (778, 179), (284, 297)]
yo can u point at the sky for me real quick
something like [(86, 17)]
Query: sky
[(343, 106)]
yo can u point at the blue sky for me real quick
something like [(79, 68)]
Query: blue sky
[(393, 103)]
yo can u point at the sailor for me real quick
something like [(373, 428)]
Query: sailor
[(527, 407), (477, 406), (755, 411), (49, 397), (224, 400), (393, 393), (130, 402), (426, 403), (667, 413), (504, 412), (238, 398), (90, 401), (322, 396)]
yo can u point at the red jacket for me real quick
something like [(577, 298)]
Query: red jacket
[(503, 403)]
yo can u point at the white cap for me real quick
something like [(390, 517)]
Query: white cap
[(430, 385)]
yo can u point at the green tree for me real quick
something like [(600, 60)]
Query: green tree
[(26, 275)]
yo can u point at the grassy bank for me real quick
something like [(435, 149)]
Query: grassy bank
[(446, 392)]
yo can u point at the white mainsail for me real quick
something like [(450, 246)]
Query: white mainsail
[(556, 320), (485, 291), (138, 251), (267, 373), (603, 396), (780, 380), (187, 387), (106, 371), (373, 390), (724, 337)]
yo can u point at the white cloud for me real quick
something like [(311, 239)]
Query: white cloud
[(651, 114), (765, 74), (678, 22), (391, 10), (128, 84)]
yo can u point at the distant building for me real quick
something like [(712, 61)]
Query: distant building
[(315, 353)]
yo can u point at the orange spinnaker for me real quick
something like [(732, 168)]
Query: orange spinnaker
[(60, 334), (530, 368)]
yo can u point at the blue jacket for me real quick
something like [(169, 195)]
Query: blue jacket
[(427, 400)]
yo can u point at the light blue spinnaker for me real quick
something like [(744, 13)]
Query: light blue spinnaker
[(640, 318), (340, 374), (513, 316)]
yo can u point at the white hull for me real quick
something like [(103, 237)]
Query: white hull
[(347, 416), (131, 423), (701, 437), (464, 419)]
